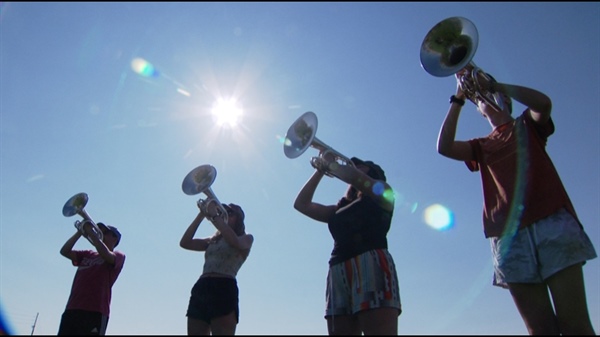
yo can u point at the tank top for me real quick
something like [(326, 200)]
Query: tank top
[(222, 258)]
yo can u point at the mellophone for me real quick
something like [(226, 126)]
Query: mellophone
[(76, 205), (199, 181), (448, 48), (302, 134)]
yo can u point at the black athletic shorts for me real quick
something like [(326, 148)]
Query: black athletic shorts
[(214, 297), (82, 322)]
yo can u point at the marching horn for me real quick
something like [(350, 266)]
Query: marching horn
[(302, 134), (448, 48), (198, 181), (75, 205)]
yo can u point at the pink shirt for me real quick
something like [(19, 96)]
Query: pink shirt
[(520, 183), (93, 281)]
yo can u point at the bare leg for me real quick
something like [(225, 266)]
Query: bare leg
[(535, 307), (568, 294), (197, 327), (343, 325), (224, 325), (380, 321)]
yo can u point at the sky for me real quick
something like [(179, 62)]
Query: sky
[(116, 100)]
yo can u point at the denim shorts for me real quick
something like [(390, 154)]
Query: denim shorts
[(366, 281), (540, 250)]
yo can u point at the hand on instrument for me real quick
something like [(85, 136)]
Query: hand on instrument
[(323, 162), (202, 206), (210, 210), (319, 164), (459, 89)]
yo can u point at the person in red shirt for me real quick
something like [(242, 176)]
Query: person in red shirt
[(88, 307), (538, 243)]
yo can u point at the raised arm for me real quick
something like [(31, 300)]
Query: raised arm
[(241, 242), (187, 240), (378, 190), (101, 248), (304, 200), (447, 145), (539, 104), (67, 249)]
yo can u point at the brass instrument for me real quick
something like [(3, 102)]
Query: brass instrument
[(75, 205), (448, 48), (302, 134), (198, 181)]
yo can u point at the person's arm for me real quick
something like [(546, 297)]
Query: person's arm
[(241, 242), (67, 249), (539, 104), (447, 145), (101, 248), (378, 190), (304, 200), (187, 240)]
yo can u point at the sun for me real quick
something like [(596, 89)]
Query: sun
[(227, 113)]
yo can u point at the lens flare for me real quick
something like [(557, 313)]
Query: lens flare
[(438, 217), (143, 67)]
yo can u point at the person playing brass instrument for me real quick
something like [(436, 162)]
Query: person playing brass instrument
[(88, 307), (356, 302), (213, 305), (538, 243)]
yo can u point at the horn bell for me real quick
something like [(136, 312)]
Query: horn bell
[(449, 46), (199, 179), (75, 204), (300, 135)]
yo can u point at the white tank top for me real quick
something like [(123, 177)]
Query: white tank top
[(221, 258)]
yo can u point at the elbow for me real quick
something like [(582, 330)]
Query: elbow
[(297, 206), (441, 149), (64, 252), (547, 106)]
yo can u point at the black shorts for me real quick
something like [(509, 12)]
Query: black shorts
[(214, 297), (82, 322)]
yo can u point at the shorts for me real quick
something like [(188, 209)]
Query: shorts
[(82, 322), (366, 281), (540, 250), (213, 297)]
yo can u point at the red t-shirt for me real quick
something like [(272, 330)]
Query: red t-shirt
[(520, 183), (93, 281)]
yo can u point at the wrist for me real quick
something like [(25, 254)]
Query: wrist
[(459, 101)]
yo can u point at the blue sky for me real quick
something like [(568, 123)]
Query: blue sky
[(76, 116)]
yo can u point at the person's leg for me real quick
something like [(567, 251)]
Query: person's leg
[(376, 295), (340, 321), (197, 327), (343, 325), (534, 305), (568, 294), (380, 321), (563, 247), (224, 325)]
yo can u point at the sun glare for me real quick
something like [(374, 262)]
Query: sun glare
[(226, 112)]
